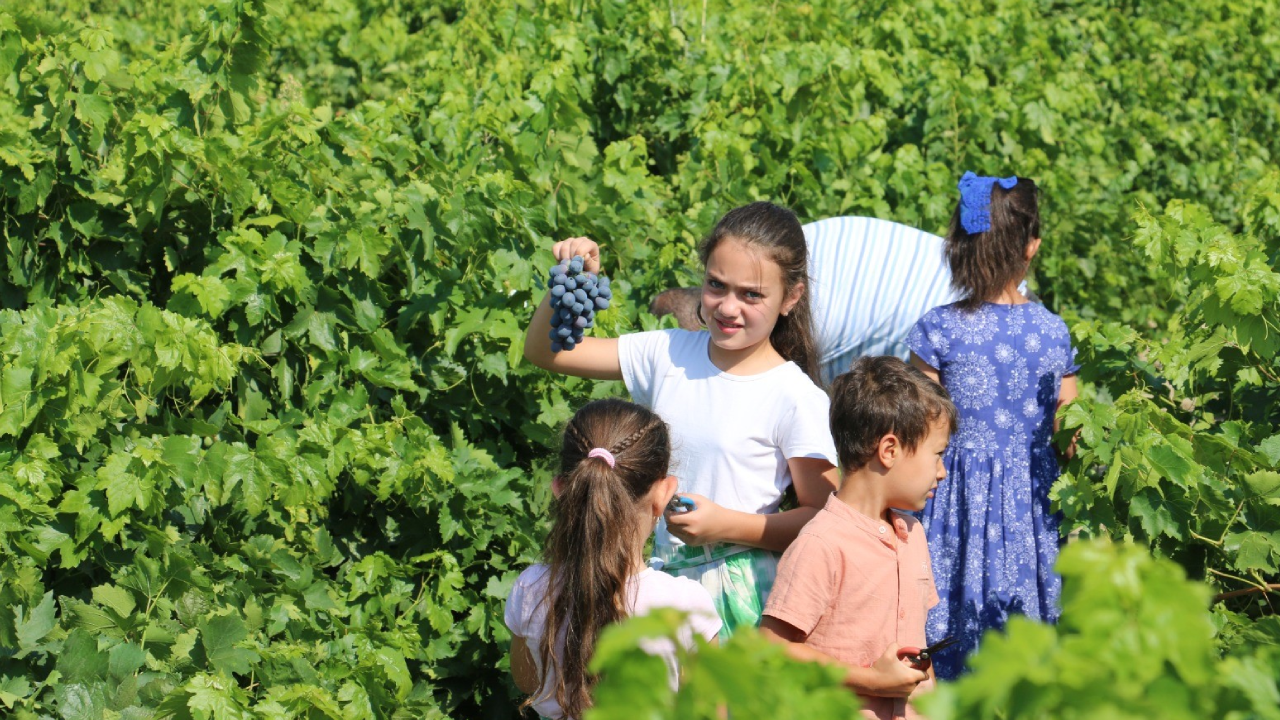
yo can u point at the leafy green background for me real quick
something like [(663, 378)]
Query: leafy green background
[(266, 445)]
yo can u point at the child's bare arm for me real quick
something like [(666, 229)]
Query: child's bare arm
[(523, 669), (814, 479), (887, 677), (1067, 392), (925, 367)]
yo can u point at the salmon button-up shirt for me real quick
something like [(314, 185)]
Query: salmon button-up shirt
[(854, 584)]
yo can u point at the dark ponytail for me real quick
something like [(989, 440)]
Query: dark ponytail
[(591, 550), (776, 230), (983, 264)]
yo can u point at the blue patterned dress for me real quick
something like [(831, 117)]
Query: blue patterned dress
[(992, 538)]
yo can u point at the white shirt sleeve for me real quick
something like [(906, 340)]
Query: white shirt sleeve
[(640, 355), (525, 596), (687, 596), (806, 432), (513, 615)]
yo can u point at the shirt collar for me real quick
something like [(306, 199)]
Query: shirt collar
[(876, 527)]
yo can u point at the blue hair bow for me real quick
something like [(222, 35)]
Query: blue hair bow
[(975, 200)]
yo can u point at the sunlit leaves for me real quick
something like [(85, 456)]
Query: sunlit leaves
[(265, 429), (1136, 639), (748, 674), (1184, 458)]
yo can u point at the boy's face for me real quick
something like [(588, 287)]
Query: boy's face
[(919, 472)]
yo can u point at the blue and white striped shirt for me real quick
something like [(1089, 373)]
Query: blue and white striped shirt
[(871, 280)]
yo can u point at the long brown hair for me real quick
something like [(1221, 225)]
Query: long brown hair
[(592, 548), (983, 264), (776, 230)]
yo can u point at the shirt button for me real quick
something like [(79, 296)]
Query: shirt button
[(881, 529), (902, 614)]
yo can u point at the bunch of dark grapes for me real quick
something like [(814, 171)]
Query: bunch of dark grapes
[(575, 298)]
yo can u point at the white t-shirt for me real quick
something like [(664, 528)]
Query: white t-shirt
[(731, 434), (526, 616)]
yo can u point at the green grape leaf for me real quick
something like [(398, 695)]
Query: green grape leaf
[(1271, 449), (33, 624), (80, 660), (392, 663), (1172, 464), (1253, 550), (1264, 484), (77, 701), (219, 636), (13, 689), (1157, 515), (125, 659), (116, 598), (123, 488)]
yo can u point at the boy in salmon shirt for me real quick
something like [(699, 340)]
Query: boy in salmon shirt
[(856, 585)]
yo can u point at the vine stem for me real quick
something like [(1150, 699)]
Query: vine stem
[(1262, 368), (1269, 587), (1266, 597), (1254, 586), (1230, 522), (1211, 541)]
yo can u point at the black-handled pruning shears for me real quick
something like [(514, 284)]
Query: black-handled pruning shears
[(678, 504), (921, 659)]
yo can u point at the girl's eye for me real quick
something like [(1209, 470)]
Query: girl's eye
[(752, 295), (715, 284)]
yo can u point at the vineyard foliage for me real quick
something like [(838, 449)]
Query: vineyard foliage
[(1135, 640), (1186, 457), (267, 448)]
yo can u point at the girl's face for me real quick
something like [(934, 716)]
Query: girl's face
[(743, 295)]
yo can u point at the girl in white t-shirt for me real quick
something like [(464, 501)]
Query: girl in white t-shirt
[(747, 416), (612, 487)]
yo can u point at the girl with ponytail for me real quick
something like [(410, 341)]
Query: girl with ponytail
[(612, 488), (741, 397)]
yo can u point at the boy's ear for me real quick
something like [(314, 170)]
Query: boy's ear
[(888, 450), (793, 298)]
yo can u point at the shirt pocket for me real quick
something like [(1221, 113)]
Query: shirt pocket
[(924, 586)]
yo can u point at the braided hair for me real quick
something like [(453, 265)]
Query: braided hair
[(591, 550)]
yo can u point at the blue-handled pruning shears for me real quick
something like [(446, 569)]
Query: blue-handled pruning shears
[(678, 504)]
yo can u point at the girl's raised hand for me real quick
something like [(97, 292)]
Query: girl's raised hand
[(585, 247), (699, 526), (591, 357)]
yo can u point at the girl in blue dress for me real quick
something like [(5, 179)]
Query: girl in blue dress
[(1009, 365)]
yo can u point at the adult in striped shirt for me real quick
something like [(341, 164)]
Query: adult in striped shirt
[(871, 280)]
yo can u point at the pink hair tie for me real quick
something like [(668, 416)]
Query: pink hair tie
[(602, 453)]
